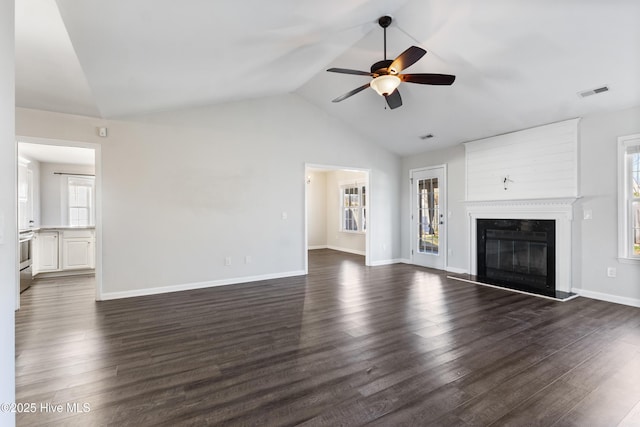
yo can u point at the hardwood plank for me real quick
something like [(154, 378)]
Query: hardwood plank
[(345, 345)]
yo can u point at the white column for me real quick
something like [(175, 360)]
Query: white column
[(8, 220)]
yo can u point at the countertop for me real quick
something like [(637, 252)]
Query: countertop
[(58, 227)]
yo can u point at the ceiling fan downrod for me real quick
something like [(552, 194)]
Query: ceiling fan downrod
[(384, 22)]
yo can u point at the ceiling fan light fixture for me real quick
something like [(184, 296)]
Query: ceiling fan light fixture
[(386, 84)]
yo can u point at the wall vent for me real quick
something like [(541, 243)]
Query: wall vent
[(593, 91)]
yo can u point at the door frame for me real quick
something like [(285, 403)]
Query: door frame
[(307, 166), (97, 153), (443, 249)]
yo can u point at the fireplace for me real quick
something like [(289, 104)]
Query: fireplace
[(518, 254)]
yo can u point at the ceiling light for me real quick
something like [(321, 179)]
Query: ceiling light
[(385, 85)]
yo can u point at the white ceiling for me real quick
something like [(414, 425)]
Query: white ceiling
[(56, 154), (519, 63)]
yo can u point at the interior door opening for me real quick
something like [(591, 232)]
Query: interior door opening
[(337, 214), (59, 204)]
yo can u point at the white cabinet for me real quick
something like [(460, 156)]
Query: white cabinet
[(46, 253), (64, 250), (77, 250)]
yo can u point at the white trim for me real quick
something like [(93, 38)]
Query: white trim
[(348, 250), (54, 274), (624, 221), (198, 285), (456, 270), (444, 196), (390, 261), (633, 302), (313, 248), (635, 261), (357, 185)]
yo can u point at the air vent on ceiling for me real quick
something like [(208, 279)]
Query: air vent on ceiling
[(593, 91), (427, 136)]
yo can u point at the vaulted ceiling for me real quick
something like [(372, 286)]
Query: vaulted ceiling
[(519, 63)]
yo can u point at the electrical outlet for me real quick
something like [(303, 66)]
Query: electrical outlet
[(611, 272), (587, 214), (227, 261), (247, 259)]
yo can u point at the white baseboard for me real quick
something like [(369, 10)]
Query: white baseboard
[(197, 285), (313, 248), (633, 302), (456, 270), (54, 274), (448, 269), (386, 262), (350, 251)]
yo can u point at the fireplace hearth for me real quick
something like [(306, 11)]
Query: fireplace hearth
[(517, 254)]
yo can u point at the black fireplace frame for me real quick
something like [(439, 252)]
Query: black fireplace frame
[(528, 225)]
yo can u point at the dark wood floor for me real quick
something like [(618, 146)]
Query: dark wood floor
[(346, 345)]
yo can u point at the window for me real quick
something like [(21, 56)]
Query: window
[(629, 196), (80, 193), (354, 208)]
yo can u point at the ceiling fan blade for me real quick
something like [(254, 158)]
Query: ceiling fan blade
[(406, 59), (428, 79), (348, 71), (394, 100), (353, 92)]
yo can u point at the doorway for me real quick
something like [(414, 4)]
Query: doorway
[(428, 217), (337, 214), (60, 206)]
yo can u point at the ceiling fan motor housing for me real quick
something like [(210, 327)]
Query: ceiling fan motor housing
[(380, 67)]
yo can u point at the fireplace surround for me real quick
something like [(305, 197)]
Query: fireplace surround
[(558, 210)]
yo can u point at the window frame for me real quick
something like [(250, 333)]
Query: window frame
[(362, 188), (625, 199), (66, 202)]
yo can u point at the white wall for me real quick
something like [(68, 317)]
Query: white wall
[(8, 209), (317, 209), (51, 190), (594, 245), (183, 190), (595, 240), (336, 239)]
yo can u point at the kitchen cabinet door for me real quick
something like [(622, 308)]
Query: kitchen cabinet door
[(46, 257), (77, 253)]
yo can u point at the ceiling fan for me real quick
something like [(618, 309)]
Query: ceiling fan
[(385, 73)]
